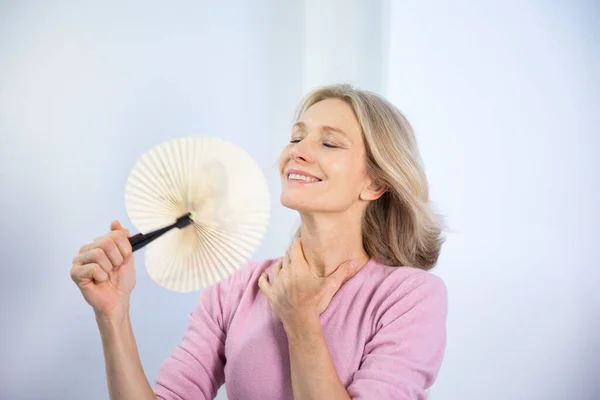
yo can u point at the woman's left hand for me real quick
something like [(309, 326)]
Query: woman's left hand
[(296, 293)]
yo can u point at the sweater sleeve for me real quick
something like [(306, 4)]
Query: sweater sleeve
[(402, 359), (195, 368)]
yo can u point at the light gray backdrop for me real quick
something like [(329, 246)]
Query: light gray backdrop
[(504, 99)]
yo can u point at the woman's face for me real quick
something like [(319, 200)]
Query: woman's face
[(323, 168)]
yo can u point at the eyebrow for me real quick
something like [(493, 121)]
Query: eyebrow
[(328, 128)]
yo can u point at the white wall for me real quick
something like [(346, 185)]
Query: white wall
[(504, 98), (345, 41), (85, 89)]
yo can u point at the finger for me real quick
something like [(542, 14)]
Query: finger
[(277, 269), (76, 273), (116, 226), (88, 246), (121, 239), (98, 273), (263, 283), (95, 256), (285, 261), (112, 251), (333, 282), (83, 273), (296, 254), (343, 272), (85, 256), (295, 250)]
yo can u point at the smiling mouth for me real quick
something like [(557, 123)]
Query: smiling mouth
[(302, 178)]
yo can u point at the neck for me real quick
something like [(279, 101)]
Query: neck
[(330, 240)]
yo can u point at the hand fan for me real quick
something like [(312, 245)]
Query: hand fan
[(214, 193)]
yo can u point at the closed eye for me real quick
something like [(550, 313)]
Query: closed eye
[(329, 145)]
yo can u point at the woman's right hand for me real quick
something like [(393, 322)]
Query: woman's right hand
[(104, 272)]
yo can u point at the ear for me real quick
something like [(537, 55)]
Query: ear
[(372, 191)]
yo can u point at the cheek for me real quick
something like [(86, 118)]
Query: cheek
[(347, 173), (344, 167), (283, 158)]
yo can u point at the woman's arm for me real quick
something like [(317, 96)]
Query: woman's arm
[(400, 361), (124, 373), (196, 367), (313, 373), (298, 297)]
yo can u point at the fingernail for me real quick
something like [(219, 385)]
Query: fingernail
[(353, 264)]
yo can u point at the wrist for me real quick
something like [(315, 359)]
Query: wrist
[(115, 317), (303, 326)]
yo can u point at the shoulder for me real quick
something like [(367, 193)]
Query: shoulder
[(400, 289), (407, 311), (401, 279)]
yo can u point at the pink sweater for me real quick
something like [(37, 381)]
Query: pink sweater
[(385, 329)]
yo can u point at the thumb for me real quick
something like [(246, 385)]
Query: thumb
[(341, 275), (116, 226), (334, 281)]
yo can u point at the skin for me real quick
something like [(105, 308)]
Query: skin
[(104, 272), (314, 269), (330, 250)]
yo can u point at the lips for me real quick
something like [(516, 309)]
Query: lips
[(301, 176)]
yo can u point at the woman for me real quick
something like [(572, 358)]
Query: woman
[(350, 312)]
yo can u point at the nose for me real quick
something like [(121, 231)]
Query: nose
[(302, 151)]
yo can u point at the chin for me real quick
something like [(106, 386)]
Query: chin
[(298, 203), (305, 204), (293, 202)]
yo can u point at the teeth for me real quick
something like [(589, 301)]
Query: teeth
[(299, 177)]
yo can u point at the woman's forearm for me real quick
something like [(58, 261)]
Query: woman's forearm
[(124, 373), (313, 373)]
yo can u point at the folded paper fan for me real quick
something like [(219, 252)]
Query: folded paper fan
[(219, 188)]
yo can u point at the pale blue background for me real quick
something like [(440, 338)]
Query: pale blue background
[(504, 98)]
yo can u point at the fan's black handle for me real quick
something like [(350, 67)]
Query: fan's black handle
[(140, 240)]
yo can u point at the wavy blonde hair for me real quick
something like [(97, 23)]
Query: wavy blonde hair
[(399, 228)]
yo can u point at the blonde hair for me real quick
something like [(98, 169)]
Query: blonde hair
[(399, 228)]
